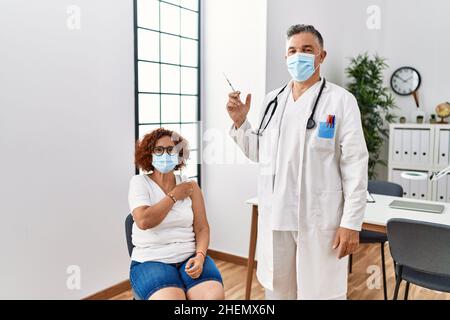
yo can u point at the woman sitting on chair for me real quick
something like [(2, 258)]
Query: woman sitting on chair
[(170, 231)]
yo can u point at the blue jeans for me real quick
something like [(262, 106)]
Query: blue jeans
[(148, 277)]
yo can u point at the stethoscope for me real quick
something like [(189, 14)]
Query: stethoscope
[(311, 122)]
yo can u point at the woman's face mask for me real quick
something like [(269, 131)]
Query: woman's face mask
[(165, 162), (301, 66)]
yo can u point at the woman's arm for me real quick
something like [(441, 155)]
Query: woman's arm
[(148, 217), (194, 267), (201, 226)]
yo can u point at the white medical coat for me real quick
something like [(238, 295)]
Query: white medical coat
[(332, 188)]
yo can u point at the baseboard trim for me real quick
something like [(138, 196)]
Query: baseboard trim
[(123, 286), (110, 292), (242, 261)]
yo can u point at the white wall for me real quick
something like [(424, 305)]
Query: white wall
[(234, 42), (66, 145), (413, 32)]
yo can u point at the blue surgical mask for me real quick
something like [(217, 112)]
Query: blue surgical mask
[(165, 163), (301, 66)]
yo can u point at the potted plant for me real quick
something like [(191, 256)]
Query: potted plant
[(375, 101)]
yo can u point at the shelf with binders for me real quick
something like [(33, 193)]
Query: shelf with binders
[(421, 148), (411, 146), (422, 189), (414, 189)]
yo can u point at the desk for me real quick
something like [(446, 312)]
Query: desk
[(375, 219)]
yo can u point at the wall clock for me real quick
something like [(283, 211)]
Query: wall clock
[(405, 81)]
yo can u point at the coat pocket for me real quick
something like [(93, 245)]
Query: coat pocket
[(323, 140), (322, 145), (328, 209), (325, 131)]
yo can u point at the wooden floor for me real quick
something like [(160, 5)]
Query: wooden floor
[(364, 259)]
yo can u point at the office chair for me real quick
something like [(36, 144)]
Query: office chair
[(421, 252), (365, 236), (128, 230)]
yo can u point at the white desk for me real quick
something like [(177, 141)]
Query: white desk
[(377, 214), (375, 219)]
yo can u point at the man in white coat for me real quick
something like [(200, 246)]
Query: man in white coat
[(313, 160)]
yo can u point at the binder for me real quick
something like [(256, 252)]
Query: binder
[(448, 186), (443, 147), (415, 189), (425, 146), (406, 145), (406, 185), (442, 189), (415, 146), (423, 189), (397, 152)]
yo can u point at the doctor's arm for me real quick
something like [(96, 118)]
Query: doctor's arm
[(354, 169), (241, 130)]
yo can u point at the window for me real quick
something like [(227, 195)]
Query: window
[(167, 71)]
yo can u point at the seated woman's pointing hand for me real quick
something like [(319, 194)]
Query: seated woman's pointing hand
[(182, 190)]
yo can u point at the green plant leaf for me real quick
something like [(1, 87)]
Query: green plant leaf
[(375, 102)]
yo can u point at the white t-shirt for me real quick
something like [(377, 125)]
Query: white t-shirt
[(286, 195), (173, 240)]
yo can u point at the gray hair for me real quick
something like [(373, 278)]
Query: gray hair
[(304, 28)]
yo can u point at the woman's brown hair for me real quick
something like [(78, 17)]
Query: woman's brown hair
[(145, 147)]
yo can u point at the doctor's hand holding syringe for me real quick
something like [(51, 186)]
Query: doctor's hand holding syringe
[(236, 108)]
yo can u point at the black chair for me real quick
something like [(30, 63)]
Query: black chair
[(128, 230), (421, 252), (365, 236)]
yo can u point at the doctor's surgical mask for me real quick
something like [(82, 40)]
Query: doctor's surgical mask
[(301, 66)]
